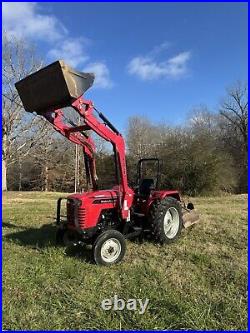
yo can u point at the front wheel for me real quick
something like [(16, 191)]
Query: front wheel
[(109, 248), (166, 220)]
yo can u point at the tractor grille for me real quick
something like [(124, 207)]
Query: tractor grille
[(70, 212), (81, 217), (72, 209)]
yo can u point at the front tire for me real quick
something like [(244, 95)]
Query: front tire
[(166, 221), (109, 248)]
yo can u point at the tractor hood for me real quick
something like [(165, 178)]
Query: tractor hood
[(98, 195)]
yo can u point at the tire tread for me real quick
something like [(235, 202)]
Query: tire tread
[(156, 215)]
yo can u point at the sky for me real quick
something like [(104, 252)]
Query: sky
[(156, 60)]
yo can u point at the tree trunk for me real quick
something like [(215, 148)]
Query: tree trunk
[(20, 175), (46, 178), (4, 175), (4, 162)]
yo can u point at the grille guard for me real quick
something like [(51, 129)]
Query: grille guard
[(76, 204)]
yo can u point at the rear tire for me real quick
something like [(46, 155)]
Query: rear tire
[(109, 248), (165, 217)]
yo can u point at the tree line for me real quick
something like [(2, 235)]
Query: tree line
[(208, 154)]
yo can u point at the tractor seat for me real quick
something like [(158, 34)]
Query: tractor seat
[(146, 186)]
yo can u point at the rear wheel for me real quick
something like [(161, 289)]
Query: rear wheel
[(109, 248), (165, 218)]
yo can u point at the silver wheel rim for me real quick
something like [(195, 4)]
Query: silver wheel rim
[(110, 250), (171, 222)]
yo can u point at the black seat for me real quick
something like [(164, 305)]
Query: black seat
[(146, 186)]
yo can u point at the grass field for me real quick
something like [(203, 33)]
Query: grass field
[(199, 282)]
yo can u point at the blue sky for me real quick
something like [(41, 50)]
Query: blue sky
[(153, 59)]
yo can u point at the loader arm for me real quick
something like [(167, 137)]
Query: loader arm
[(108, 132), (105, 130), (55, 117)]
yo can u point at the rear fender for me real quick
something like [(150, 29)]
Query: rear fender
[(159, 195), (173, 195)]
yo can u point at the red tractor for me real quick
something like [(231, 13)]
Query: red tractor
[(102, 218)]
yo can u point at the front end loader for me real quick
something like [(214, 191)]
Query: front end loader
[(102, 218)]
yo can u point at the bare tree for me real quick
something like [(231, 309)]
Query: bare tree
[(19, 129), (234, 109), (234, 130), (202, 121), (141, 136)]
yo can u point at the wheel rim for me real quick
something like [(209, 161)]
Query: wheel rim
[(171, 222), (111, 249)]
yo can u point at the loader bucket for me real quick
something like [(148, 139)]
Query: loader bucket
[(52, 86)]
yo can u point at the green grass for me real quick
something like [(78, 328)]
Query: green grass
[(199, 282)]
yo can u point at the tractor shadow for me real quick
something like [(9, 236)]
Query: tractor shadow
[(32, 237), (81, 252), (44, 237)]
